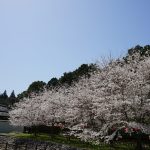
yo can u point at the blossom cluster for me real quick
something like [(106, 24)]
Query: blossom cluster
[(116, 95)]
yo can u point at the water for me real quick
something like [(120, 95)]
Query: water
[(6, 127)]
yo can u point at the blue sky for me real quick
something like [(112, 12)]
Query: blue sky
[(41, 39)]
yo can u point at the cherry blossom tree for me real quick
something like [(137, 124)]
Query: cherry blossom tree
[(46, 108), (117, 94), (27, 112)]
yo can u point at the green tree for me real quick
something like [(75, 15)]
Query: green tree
[(4, 98), (83, 70), (12, 98), (66, 79), (36, 87), (143, 51), (4, 95), (12, 95), (53, 83), (22, 95)]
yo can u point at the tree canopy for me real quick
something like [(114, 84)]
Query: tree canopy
[(142, 51), (116, 95)]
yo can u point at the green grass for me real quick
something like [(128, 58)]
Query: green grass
[(74, 142)]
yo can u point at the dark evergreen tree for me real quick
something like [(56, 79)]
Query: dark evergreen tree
[(83, 70), (36, 87), (53, 83), (1, 95), (12, 95), (22, 95), (4, 95), (143, 51), (12, 98), (4, 98), (66, 79)]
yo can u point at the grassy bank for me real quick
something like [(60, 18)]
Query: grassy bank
[(74, 142)]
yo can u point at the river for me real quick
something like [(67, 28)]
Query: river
[(6, 127)]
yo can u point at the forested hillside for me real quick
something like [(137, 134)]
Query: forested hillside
[(67, 79), (100, 105)]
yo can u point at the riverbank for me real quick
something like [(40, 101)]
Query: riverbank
[(11, 143), (57, 142), (6, 127)]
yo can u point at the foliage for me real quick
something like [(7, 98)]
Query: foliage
[(142, 51), (36, 87), (4, 95), (22, 95), (12, 95), (8, 100), (43, 129), (66, 79), (12, 98), (83, 70), (74, 142), (53, 83)]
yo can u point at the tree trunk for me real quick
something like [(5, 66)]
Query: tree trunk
[(139, 142), (35, 130)]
